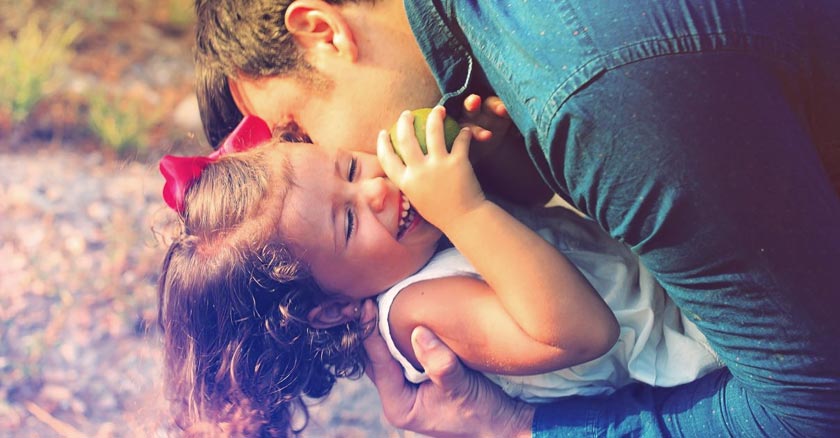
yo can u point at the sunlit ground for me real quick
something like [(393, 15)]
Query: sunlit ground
[(92, 94)]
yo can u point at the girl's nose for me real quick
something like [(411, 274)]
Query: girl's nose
[(374, 192)]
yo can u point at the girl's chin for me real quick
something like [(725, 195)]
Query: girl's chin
[(422, 235)]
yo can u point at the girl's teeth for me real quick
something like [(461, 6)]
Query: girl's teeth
[(406, 214)]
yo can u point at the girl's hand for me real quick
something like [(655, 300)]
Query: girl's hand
[(441, 185)]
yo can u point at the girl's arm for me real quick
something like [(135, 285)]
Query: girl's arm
[(533, 292), (466, 314)]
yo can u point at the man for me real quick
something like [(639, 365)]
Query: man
[(687, 129)]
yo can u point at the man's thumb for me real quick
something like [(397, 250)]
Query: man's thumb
[(441, 364)]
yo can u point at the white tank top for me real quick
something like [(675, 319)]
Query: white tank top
[(657, 345)]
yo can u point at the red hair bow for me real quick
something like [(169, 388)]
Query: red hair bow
[(181, 172)]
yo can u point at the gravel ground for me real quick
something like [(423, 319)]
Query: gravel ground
[(80, 248), (80, 352), (81, 239)]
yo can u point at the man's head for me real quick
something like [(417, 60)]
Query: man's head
[(237, 37), (337, 72)]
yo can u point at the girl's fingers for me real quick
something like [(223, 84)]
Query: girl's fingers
[(407, 139), (435, 143), (461, 145), (388, 159)]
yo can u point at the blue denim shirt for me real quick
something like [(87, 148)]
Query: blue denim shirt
[(686, 129)]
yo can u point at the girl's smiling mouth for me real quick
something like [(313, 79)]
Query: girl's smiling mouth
[(408, 216)]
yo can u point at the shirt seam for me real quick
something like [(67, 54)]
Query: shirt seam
[(660, 47)]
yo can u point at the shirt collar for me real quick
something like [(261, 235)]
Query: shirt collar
[(443, 45)]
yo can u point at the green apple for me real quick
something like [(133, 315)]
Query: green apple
[(450, 130)]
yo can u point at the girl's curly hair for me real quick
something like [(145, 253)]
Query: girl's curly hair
[(238, 350)]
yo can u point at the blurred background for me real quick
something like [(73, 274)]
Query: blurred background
[(92, 94)]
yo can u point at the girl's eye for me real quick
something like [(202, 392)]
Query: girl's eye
[(351, 172), (351, 225)]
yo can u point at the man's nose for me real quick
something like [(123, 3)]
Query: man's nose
[(374, 192)]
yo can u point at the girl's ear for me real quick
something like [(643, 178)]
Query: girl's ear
[(320, 28), (333, 312)]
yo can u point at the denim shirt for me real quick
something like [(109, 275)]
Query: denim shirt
[(541, 59), (681, 126)]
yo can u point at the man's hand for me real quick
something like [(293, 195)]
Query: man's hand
[(456, 402), (487, 119)]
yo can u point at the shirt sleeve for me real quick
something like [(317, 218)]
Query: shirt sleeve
[(702, 186)]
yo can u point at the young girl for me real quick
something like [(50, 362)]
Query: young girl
[(260, 295)]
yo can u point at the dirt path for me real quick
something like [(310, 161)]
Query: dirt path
[(79, 348)]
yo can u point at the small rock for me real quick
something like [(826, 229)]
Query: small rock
[(56, 394), (33, 237), (78, 407), (107, 402), (69, 352), (106, 430), (14, 260), (186, 114), (18, 194), (54, 193), (10, 418), (75, 245), (98, 211)]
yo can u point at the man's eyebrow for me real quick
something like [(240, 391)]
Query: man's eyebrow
[(337, 171), (291, 132)]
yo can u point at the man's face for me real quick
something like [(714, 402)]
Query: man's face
[(337, 111), (360, 67)]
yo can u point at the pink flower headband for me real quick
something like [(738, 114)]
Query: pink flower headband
[(181, 172)]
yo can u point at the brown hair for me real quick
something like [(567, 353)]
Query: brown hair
[(240, 37), (233, 301)]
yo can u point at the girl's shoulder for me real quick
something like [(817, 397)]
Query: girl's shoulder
[(446, 263), (432, 297)]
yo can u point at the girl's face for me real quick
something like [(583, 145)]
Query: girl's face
[(350, 224)]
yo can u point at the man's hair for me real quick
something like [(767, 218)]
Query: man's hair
[(216, 106), (239, 352), (239, 37)]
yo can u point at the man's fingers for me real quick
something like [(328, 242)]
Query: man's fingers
[(368, 315), (382, 369), (495, 106), (472, 104), (377, 350), (386, 373), (440, 363)]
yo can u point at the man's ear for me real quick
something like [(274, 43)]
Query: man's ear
[(333, 312), (320, 28)]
